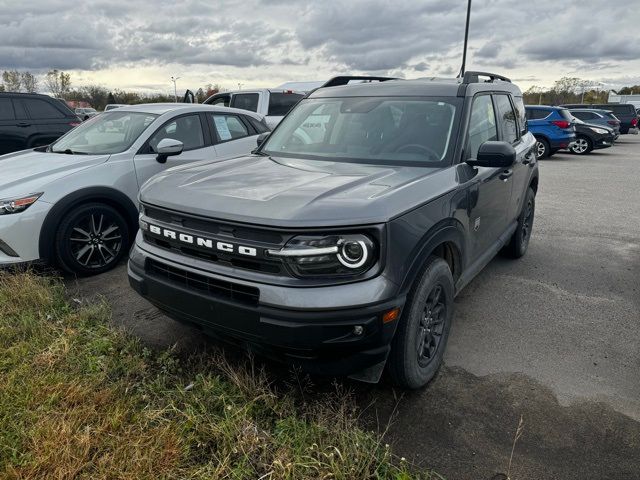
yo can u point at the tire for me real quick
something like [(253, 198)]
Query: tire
[(543, 150), (91, 239), (582, 145), (519, 241), (412, 362)]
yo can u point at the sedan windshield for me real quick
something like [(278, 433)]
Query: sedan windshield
[(368, 129), (104, 134)]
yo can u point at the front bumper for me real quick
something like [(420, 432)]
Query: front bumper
[(304, 326), (604, 141), (20, 234)]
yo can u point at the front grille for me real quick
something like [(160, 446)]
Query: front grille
[(211, 286)]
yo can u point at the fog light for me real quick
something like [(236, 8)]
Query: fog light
[(358, 330)]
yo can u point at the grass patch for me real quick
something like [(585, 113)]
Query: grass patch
[(80, 399)]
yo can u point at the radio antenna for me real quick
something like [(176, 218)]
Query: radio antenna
[(466, 39)]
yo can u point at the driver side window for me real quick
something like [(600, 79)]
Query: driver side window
[(187, 130), (482, 125)]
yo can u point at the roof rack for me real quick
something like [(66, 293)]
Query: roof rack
[(473, 77), (345, 79)]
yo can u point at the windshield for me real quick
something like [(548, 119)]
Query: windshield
[(369, 129), (105, 134)]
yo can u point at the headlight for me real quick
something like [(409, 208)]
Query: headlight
[(600, 131), (16, 205), (312, 255)]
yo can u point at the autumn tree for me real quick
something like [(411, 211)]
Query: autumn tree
[(58, 83), (11, 80), (29, 82)]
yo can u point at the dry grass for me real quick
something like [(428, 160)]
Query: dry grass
[(79, 399)]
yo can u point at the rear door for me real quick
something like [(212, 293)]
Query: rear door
[(489, 192), (233, 134), (13, 137), (191, 130)]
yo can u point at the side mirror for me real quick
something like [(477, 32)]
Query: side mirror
[(495, 155), (168, 147), (261, 138)]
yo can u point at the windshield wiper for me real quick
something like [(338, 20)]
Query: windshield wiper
[(68, 151)]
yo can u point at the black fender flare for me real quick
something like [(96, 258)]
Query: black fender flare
[(449, 230), (107, 195)]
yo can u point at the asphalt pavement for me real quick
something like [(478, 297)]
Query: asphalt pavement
[(551, 341)]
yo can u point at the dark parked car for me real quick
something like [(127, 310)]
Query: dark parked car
[(591, 137), (341, 243), (625, 112), (552, 127), (29, 120), (595, 116)]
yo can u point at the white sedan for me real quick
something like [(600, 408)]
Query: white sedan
[(73, 203)]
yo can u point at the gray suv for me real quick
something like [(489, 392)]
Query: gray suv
[(340, 243)]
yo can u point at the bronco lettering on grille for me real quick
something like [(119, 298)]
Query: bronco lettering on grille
[(202, 242)]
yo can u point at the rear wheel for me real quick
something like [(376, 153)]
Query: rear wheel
[(582, 145), (519, 242), (421, 338), (91, 239), (542, 148)]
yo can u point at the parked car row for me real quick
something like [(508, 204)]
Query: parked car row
[(579, 129)]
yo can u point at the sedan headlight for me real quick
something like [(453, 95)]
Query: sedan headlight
[(600, 131), (16, 205), (342, 255)]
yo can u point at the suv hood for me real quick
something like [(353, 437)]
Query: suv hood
[(295, 192), (28, 171)]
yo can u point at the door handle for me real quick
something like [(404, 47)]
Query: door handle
[(529, 157), (24, 124), (504, 176)]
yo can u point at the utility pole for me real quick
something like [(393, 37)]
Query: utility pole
[(240, 85), (466, 39), (175, 90)]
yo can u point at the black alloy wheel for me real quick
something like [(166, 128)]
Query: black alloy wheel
[(92, 239)]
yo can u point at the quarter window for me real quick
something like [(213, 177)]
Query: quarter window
[(482, 126), (229, 127), (187, 130), (507, 119)]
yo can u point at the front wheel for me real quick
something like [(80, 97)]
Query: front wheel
[(582, 145), (421, 338), (91, 239), (519, 242)]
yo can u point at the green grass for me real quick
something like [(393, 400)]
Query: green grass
[(80, 399)]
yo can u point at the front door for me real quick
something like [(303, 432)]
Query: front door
[(489, 189), (187, 129)]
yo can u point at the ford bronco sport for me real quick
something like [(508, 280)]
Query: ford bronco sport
[(341, 242)]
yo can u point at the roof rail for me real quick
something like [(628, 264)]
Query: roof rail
[(345, 79), (473, 77)]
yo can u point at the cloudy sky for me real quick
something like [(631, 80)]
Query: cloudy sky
[(139, 44)]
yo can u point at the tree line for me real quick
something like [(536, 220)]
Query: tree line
[(573, 90), (58, 83)]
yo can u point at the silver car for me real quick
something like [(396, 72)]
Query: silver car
[(74, 202)]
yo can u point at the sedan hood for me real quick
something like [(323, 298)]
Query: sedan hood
[(295, 192), (29, 171)]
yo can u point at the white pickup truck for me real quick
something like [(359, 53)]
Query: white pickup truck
[(272, 103)]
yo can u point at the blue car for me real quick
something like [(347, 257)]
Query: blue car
[(553, 128)]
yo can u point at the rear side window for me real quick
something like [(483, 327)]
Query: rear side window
[(583, 115), (6, 109), (245, 101), (40, 109), (482, 126), (507, 119), (520, 114), (229, 127), (537, 113), (281, 103)]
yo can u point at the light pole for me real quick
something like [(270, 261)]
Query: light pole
[(240, 85), (175, 90)]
